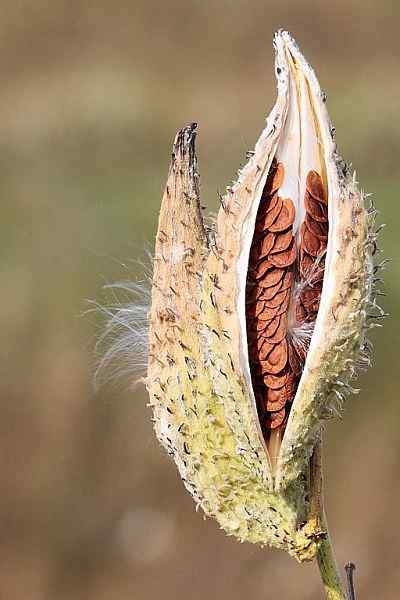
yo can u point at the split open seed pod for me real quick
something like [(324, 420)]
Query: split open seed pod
[(256, 328)]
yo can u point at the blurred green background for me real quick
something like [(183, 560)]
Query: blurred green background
[(91, 96)]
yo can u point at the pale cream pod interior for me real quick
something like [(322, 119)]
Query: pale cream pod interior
[(304, 143)]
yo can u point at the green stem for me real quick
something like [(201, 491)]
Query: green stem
[(329, 570), (330, 574)]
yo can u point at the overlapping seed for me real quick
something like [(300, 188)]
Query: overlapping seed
[(276, 263), (313, 243), (269, 289)]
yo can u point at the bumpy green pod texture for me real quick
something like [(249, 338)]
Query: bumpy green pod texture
[(199, 378)]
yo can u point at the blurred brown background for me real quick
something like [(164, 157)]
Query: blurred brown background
[(91, 96)]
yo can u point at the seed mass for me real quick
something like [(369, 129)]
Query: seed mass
[(283, 292)]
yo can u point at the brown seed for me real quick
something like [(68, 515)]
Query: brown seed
[(266, 220), (287, 280), (315, 186), (275, 400), (310, 296), (300, 313), (285, 304), (291, 387), (266, 205), (285, 218), (285, 258), (275, 419), (274, 199), (320, 230), (281, 331), (269, 313), (267, 244), (273, 277), (316, 209), (272, 327), (273, 214), (310, 243), (259, 343), (282, 241), (260, 325), (268, 293), (275, 179), (262, 268), (253, 291), (265, 350), (306, 264), (278, 178), (277, 359), (277, 299), (294, 361), (257, 308), (275, 381)]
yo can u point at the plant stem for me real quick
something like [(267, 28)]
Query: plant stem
[(330, 574)]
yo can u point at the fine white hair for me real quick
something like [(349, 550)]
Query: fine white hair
[(122, 347)]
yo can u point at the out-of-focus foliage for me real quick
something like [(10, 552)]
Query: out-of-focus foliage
[(91, 96)]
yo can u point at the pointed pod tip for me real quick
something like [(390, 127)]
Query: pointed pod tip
[(185, 140), (285, 47), (283, 37), (280, 33), (284, 43)]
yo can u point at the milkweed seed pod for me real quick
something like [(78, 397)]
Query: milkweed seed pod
[(257, 327)]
